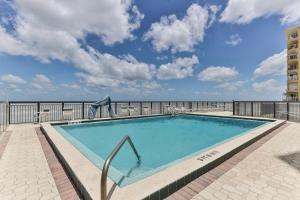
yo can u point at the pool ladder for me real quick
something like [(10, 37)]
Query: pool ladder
[(109, 160)]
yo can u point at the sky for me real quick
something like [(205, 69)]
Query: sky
[(144, 50)]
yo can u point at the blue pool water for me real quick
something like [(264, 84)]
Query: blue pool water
[(161, 141)]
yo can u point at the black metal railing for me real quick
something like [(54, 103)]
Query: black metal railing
[(269, 109), (26, 111), (4, 116)]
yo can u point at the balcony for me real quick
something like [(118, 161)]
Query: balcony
[(293, 77), (292, 89), (293, 36), (292, 98), (293, 67), (293, 46), (293, 56), (293, 71)]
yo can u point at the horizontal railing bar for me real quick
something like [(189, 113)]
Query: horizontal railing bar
[(121, 101)]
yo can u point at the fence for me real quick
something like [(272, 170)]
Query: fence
[(4, 110), (25, 112), (269, 109)]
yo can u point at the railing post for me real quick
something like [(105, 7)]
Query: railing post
[(233, 108), (38, 111), (160, 107), (287, 110), (100, 107), (9, 109), (62, 109), (274, 109), (82, 110), (129, 110), (116, 106), (251, 108), (151, 107), (141, 108)]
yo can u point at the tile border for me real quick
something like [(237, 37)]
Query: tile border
[(64, 185)]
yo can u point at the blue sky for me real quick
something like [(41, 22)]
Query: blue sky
[(145, 50)]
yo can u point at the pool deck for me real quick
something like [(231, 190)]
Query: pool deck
[(271, 171)]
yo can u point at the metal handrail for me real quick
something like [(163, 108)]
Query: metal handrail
[(108, 161)]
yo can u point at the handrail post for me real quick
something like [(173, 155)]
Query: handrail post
[(109, 160)]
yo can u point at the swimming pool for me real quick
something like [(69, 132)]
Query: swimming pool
[(161, 141)]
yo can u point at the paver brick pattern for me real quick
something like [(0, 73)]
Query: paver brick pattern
[(272, 172), (24, 172)]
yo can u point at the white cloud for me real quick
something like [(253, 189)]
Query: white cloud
[(231, 86), (213, 15), (109, 19), (244, 11), (39, 33), (234, 40), (178, 69), (151, 85), (71, 85), (112, 71), (181, 34), (270, 85), (41, 81), (273, 65), (218, 74), (12, 79)]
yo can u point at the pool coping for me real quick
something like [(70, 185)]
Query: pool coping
[(86, 175)]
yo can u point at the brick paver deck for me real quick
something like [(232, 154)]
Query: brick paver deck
[(268, 169), (270, 172), (24, 172)]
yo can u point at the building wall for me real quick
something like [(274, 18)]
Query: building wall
[(293, 59)]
